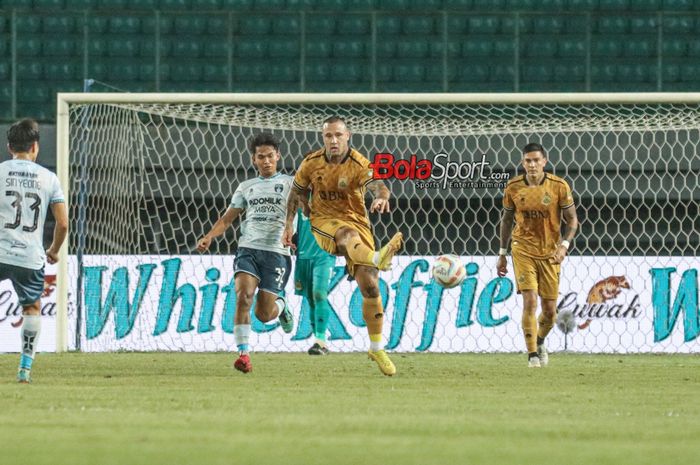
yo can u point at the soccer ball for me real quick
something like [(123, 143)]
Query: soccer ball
[(448, 271)]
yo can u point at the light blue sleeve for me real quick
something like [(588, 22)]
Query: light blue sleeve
[(56, 192), (238, 200)]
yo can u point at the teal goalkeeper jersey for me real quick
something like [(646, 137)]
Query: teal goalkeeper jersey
[(307, 247)]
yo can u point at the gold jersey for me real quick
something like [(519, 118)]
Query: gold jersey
[(337, 189), (537, 213)]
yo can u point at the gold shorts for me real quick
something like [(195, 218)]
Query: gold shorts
[(324, 232), (536, 274)]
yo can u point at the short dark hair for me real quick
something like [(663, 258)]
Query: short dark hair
[(264, 138), (335, 119), (22, 135), (534, 147)]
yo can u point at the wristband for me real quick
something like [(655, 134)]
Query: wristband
[(565, 244), (502, 251)]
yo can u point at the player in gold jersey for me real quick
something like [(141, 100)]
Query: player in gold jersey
[(337, 176), (536, 201)]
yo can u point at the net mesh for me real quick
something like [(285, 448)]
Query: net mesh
[(147, 180)]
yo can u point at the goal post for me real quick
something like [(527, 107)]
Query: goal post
[(146, 174)]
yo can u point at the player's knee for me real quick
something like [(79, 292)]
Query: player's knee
[(370, 290), (320, 296), (264, 315), (33, 309), (244, 297)]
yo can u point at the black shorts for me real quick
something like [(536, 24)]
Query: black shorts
[(271, 268)]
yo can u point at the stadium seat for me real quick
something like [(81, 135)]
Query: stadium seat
[(473, 72), (410, 72), (28, 23), (635, 72), (61, 46), (213, 72), (548, 24), (251, 71), (36, 92), (219, 25), (640, 47), (393, 5), (201, 5), (349, 46), (679, 25), (62, 71), (4, 71), (43, 111), (59, 24), (388, 25), (618, 5), (97, 24), (251, 48), (643, 25), (283, 48), (540, 46), (606, 47), (147, 72), (316, 71), (174, 5), (577, 24), (603, 72), (269, 5), (674, 46), (97, 70), (690, 72), (256, 25), (564, 72), (458, 4), (25, 4), (43, 5), (123, 46), (489, 5), (237, 5), (185, 71), (165, 24), (676, 5), (347, 71), (612, 25), (501, 72), (187, 47), (354, 24), (5, 92), (190, 25), (650, 5), (484, 24), (477, 46), (572, 46), (454, 47), (28, 46), (434, 71), (413, 48), (124, 24), (320, 24), (671, 73), (419, 25), (694, 47), (538, 72), (123, 69), (285, 70), (503, 46), (286, 25), (111, 4), (319, 49), (148, 47), (216, 49), (457, 24)]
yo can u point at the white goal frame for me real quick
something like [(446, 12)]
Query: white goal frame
[(65, 99)]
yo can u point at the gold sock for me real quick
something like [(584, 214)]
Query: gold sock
[(530, 331), (373, 313), (545, 325), (359, 252)]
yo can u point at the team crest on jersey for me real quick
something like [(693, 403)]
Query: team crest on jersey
[(279, 188), (546, 199), (343, 183)]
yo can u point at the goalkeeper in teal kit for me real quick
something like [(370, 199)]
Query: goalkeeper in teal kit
[(312, 276)]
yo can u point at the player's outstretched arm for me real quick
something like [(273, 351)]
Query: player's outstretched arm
[(293, 203), (507, 221), (381, 195), (221, 225), (60, 231), (571, 220)]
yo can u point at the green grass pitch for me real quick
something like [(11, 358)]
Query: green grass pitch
[(183, 408)]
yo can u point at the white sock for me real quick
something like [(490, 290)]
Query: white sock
[(375, 346), (375, 258), (241, 334), (280, 305), (31, 328)]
